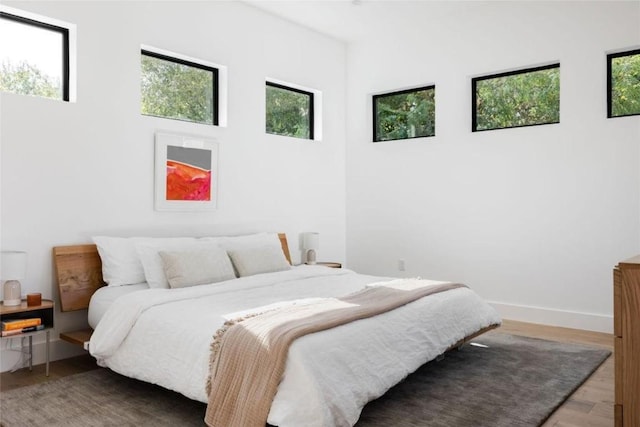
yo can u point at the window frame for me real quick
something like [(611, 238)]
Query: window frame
[(311, 107), (374, 98), (610, 58), (474, 95), (65, 80), (215, 86)]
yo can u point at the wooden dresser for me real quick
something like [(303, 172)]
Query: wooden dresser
[(626, 328)]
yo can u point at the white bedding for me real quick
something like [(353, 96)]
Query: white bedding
[(102, 299), (163, 336)]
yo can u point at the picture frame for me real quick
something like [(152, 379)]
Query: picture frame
[(186, 172)]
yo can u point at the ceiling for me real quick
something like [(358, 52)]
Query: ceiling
[(350, 20), (356, 20)]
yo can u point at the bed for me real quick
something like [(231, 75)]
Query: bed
[(163, 335)]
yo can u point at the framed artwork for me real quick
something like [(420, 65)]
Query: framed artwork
[(186, 173)]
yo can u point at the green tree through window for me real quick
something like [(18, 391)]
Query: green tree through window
[(289, 111), (28, 79), (521, 98), (623, 71), (404, 114), (177, 89), (34, 57)]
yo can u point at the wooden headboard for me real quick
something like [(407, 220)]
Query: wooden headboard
[(78, 271)]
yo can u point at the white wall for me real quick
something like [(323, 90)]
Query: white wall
[(73, 170), (533, 218)]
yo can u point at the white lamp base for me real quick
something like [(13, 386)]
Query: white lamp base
[(311, 256), (11, 293)]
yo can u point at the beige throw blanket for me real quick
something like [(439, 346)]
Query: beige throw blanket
[(248, 358)]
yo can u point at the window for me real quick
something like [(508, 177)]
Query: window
[(34, 57), (623, 84), (289, 111), (518, 98), (178, 89), (404, 114)]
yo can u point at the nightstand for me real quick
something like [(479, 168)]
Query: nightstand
[(330, 264), (23, 311)]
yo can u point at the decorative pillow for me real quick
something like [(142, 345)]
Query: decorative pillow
[(149, 253), (120, 261), (197, 267), (256, 260)]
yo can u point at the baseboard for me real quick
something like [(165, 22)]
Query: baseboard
[(563, 318), (58, 349)]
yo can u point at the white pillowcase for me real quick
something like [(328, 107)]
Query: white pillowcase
[(120, 262), (132, 260), (149, 253), (256, 260), (258, 240), (197, 267)]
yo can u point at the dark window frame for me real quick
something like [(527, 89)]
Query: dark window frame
[(399, 92), (65, 45), (215, 87), (311, 107), (474, 95), (610, 58)]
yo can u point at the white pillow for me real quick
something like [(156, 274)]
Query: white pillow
[(197, 267), (149, 253), (259, 240), (120, 262), (124, 263), (256, 260)]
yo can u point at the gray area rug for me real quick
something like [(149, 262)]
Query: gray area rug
[(514, 381)]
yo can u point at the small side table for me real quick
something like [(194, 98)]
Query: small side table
[(23, 311), (330, 264)]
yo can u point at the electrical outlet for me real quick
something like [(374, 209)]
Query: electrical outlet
[(401, 265)]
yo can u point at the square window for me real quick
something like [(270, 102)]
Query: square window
[(518, 98), (289, 111), (404, 114), (177, 89), (623, 84), (34, 57)]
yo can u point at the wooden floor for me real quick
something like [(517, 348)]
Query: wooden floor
[(590, 406)]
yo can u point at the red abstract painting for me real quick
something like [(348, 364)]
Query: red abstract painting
[(187, 182)]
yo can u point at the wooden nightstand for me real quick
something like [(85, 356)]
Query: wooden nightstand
[(330, 264), (23, 311)]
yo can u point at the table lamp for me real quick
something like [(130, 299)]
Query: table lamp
[(13, 268), (310, 243)]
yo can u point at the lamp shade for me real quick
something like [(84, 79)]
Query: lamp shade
[(13, 265), (310, 240)]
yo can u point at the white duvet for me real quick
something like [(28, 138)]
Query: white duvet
[(162, 336)]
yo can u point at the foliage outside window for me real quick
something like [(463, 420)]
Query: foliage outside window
[(623, 84), (404, 114), (289, 111), (519, 98), (34, 57), (177, 89)]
